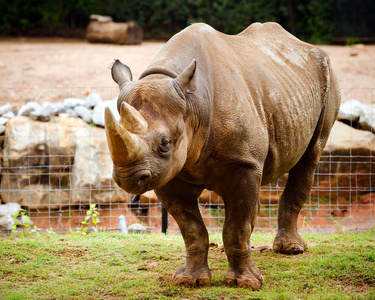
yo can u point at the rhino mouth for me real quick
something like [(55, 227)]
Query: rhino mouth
[(136, 183)]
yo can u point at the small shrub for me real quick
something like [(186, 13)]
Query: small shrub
[(23, 219), (91, 215)]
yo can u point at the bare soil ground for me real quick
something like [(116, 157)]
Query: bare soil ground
[(53, 69)]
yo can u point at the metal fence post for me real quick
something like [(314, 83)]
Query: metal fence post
[(164, 220)]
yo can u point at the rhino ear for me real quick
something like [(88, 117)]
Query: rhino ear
[(121, 73), (186, 79)]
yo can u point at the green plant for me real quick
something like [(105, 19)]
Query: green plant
[(50, 231), (352, 41), (339, 228), (23, 219), (91, 215), (305, 224)]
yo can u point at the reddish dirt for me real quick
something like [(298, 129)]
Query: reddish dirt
[(358, 215), (53, 69)]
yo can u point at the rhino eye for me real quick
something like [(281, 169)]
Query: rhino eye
[(165, 145)]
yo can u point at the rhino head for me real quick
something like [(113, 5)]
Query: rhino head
[(149, 144)]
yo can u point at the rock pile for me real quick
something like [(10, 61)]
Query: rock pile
[(90, 110), (358, 115)]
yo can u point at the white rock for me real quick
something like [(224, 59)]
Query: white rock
[(350, 110), (6, 222), (83, 113), (9, 115), (24, 219), (73, 102), (367, 118), (44, 113), (98, 114), (3, 120), (5, 108), (28, 108), (71, 111), (59, 107), (9, 209), (137, 228), (47, 108), (93, 100)]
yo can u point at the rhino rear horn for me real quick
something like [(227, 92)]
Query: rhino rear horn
[(123, 145), (121, 73), (131, 119), (186, 79)]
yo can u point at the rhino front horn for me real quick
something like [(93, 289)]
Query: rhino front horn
[(123, 145), (131, 119)]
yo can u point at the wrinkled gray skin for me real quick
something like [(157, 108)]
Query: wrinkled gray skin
[(228, 114)]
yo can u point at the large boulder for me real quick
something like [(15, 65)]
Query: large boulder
[(346, 141), (55, 164), (345, 168), (92, 169), (102, 29)]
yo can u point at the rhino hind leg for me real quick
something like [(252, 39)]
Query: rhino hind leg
[(288, 240), (298, 187), (180, 199), (297, 190)]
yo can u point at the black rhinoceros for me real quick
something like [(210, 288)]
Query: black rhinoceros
[(228, 114)]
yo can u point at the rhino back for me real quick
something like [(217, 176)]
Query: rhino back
[(260, 93)]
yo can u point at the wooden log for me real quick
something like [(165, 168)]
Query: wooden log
[(102, 29)]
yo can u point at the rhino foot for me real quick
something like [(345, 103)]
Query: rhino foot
[(289, 244), (192, 279), (251, 278)]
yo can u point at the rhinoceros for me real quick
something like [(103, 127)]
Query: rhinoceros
[(228, 114)]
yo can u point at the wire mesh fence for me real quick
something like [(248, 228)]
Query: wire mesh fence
[(56, 169)]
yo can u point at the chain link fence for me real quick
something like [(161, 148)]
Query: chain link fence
[(55, 169)]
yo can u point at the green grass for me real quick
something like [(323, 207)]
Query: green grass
[(115, 266)]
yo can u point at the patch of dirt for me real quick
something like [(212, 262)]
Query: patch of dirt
[(52, 69)]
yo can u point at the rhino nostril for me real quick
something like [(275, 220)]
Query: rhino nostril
[(145, 178)]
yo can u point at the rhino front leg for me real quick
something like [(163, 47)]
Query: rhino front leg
[(180, 199), (241, 208)]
